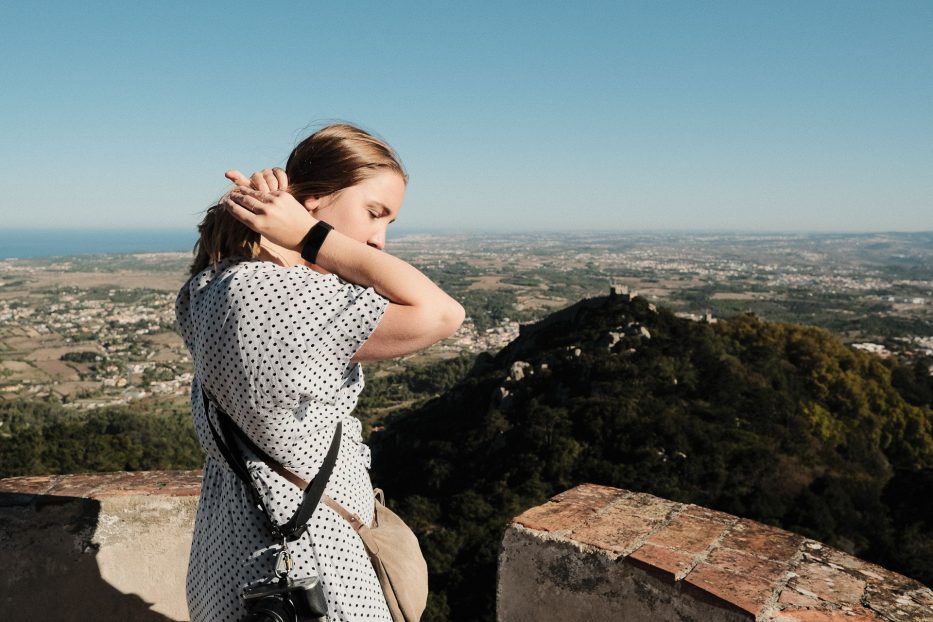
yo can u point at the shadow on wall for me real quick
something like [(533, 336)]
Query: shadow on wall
[(49, 563)]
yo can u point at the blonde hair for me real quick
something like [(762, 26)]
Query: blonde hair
[(334, 157)]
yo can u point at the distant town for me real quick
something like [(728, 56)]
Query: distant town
[(96, 330)]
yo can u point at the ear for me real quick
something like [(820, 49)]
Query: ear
[(312, 204)]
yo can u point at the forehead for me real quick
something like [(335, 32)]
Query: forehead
[(385, 187)]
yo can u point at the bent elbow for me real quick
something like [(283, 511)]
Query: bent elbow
[(452, 319), (448, 320), (439, 323)]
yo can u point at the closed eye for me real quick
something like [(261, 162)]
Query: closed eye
[(379, 210), (383, 210)]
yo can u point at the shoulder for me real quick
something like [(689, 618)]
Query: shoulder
[(235, 274), (237, 285), (265, 286), (269, 280)]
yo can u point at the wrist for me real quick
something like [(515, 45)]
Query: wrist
[(313, 240)]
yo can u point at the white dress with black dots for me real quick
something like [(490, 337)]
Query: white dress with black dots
[(273, 347)]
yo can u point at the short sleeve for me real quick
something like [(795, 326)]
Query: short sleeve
[(352, 314), (299, 329)]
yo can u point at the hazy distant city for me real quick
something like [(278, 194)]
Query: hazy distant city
[(97, 330)]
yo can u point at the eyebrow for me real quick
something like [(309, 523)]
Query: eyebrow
[(385, 209)]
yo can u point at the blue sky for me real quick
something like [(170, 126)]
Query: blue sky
[(749, 116)]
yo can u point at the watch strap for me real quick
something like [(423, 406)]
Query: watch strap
[(314, 240)]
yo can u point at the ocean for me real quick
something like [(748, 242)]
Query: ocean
[(28, 243)]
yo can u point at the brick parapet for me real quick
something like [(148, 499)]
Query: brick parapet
[(118, 540), (748, 570), (754, 570), (103, 485)]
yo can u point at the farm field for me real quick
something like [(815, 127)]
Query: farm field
[(94, 330)]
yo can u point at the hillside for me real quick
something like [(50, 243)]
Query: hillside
[(776, 422)]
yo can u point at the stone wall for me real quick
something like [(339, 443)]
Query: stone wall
[(114, 546), (108, 546), (600, 553)]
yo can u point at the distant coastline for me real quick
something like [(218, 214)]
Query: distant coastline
[(37, 243), (32, 243)]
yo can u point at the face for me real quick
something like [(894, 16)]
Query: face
[(364, 211)]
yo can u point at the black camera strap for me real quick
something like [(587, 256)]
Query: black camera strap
[(312, 493)]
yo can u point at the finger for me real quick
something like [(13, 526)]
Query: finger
[(259, 182), (270, 178), (237, 177), (281, 177), (240, 213), (250, 192), (250, 203)]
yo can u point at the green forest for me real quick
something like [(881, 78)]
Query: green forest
[(776, 422), (779, 423), (40, 437)]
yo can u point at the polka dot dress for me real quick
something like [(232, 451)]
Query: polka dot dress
[(273, 347)]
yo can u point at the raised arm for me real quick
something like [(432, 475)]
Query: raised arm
[(419, 313)]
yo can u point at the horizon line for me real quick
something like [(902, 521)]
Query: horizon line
[(453, 231)]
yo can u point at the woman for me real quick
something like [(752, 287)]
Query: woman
[(276, 342)]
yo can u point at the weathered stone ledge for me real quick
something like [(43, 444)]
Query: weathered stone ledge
[(119, 542), (102, 546), (675, 561), (101, 485)]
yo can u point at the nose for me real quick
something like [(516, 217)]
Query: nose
[(377, 240)]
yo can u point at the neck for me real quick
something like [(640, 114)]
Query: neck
[(282, 256)]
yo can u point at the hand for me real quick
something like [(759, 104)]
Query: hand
[(276, 215), (266, 180)]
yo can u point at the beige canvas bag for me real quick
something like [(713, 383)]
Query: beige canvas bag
[(393, 550), (396, 556)]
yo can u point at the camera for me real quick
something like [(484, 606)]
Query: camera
[(285, 600)]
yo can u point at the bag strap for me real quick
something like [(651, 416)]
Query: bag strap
[(355, 521), (312, 492), (237, 466)]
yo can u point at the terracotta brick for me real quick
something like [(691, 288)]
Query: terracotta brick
[(841, 578), (126, 483), (570, 508), (798, 598), (101, 485), (849, 614), (688, 533), (80, 485), (168, 483), (738, 562), (901, 598), (762, 540), (833, 585), (664, 563), (589, 494), (743, 593), (36, 484), (871, 573), (697, 511), (623, 526), (746, 562), (830, 555)]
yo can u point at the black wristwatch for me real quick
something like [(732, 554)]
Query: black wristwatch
[(314, 240)]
